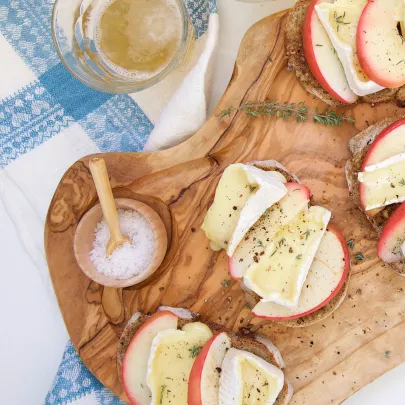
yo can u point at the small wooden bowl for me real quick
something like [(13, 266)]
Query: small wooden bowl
[(84, 238)]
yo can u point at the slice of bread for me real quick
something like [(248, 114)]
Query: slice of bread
[(257, 344), (296, 62), (359, 146), (252, 298)]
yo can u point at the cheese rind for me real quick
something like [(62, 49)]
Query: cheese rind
[(246, 379), (281, 272), (383, 183), (170, 361), (242, 196), (340, 20)]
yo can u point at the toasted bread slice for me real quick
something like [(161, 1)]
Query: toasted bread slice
[(252, 298), (254, 343), (296, 62), (359, 146)]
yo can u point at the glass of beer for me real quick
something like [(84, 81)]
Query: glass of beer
[(121, 46)]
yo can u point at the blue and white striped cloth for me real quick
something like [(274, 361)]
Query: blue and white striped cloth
[(48, 120)]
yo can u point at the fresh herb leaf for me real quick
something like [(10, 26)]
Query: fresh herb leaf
[(259, 243), (350, 243), (319, 45), (284, 110), (194, 351), (402, 182), (359, 257), (306, 234), (274, 252), (299, 257), (162, 391), (387, 354), (281, 242), (252, 188), (225, 283)]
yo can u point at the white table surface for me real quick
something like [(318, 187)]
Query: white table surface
[(33, 335)]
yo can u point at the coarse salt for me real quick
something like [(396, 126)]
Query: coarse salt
[(128, 260)]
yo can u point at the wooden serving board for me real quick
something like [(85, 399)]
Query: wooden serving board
[(327, 362)]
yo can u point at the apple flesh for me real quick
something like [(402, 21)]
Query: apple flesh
[(392, 237), (322, 59), (327, 274), (261, 234), (380, 47), (203, 383), (135, 363), (390, 142)]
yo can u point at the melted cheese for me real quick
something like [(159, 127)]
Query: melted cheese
[(242, 196), (247, 379), (340, 20), (281, 271), (384, 182), (170, 361)]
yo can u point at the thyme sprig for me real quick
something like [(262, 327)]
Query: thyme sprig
[(284, 110)]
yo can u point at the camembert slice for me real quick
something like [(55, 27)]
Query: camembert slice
[(242, 196), (383, 183), (170, 361), (281, 272), (246, 379)]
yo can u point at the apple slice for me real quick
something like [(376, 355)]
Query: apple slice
[(326, 277), (261, 234), (380, 46), (203, 383), (322, 59), (135, 363), (388, 143), (392, 237)]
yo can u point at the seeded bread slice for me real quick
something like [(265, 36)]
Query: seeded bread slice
[(252, 298), (246, 340), (359, 146), (296, 62)]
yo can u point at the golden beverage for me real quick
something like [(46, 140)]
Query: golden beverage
[(121, 46), (138, 37)]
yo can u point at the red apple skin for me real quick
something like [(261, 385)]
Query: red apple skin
[(290, 187), (309, 52), (395, 220), (370, 152), (132, 400), (335, 292), (194, 381), (363, 53)]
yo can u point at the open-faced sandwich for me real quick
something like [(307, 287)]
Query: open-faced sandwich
[(172, 357), (376, 178), (292, 264), (344, 51)]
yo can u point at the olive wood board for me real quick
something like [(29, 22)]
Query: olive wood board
[(326, 362)]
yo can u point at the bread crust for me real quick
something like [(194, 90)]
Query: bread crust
[(243, 340), (296, 62), (252, 298), (359, 146)]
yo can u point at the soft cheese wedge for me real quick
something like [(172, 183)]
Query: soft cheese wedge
[(383, 183), (327, 274), (170, 361), (262, 233), (242, 196), (281, 272), (247, 379), (340, 19)]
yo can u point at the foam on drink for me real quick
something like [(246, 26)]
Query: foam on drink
[(138, 38)]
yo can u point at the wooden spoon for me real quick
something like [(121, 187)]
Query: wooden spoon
[(102, 182)]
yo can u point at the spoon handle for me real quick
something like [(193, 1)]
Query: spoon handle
[(102, 182)]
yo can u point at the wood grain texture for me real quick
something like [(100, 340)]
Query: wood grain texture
[(326, 362)]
